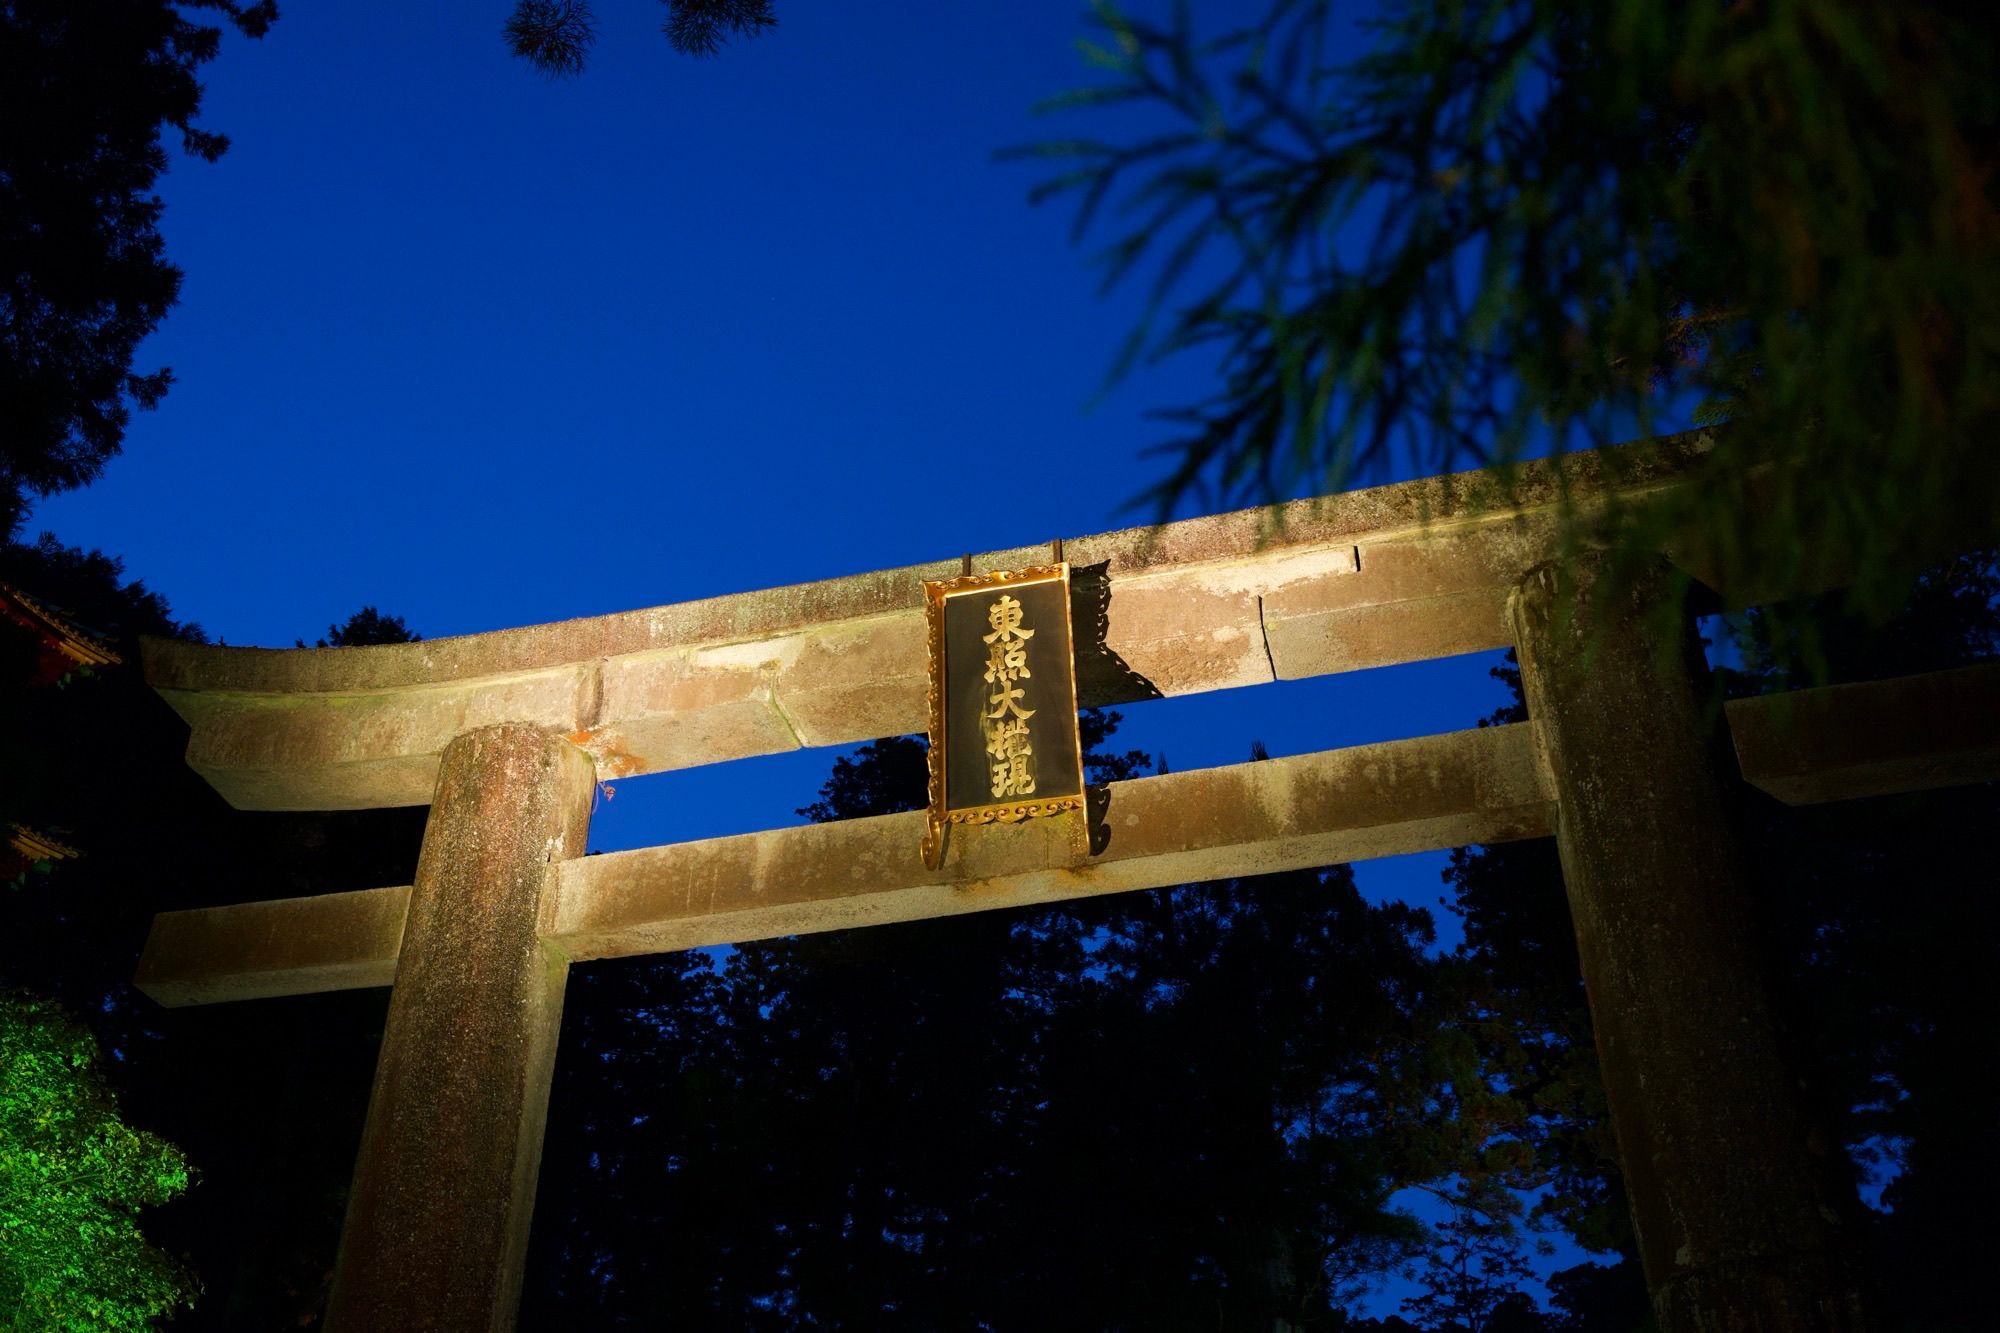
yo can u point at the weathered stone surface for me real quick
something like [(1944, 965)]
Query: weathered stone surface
[(1348, 518), (676, 709), (1850, 741), (1186, 631), (1408, 598), (1280, 814), (1309, 810), (437, 1223), (1203, 604), (1320, 641), (855, 680), (335, 941), (1734, 1229), (287, 946), (364, 750)]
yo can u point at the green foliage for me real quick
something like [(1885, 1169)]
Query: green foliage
[(1508, 225), (73, 1177), (83, 106), (272, 1121)]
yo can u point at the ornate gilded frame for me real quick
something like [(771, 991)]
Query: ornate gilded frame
[(1005, 812)]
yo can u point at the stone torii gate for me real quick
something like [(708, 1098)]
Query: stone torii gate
[(505, 734)]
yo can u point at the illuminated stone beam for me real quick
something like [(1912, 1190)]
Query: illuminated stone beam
[(286, 946), (1179, 828), (1278, 814), (1914, 733), (1839, 743), (1367, 578)]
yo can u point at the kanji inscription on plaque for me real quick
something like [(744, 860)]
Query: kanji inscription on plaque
[(1003, 735)]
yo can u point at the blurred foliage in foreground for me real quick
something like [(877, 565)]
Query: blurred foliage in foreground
[(1463, 233)]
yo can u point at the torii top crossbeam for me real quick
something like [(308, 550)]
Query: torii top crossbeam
[(1394, 574)]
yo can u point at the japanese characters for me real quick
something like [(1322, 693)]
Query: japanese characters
[(1010, 755)]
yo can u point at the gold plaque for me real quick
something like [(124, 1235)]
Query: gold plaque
[(1004, 744)]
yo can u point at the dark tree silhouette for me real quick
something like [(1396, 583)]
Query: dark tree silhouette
[(84, 102), (701, 27), (1183, 1109), (1470, 1276), (265, 1099), (1877, 954), (366, 626), (555, 36)]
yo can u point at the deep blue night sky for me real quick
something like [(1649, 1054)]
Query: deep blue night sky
[(485, 350)]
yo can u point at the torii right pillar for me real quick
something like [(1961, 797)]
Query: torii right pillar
[(1735, 1230)]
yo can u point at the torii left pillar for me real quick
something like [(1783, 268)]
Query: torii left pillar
[(437, 1222)]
